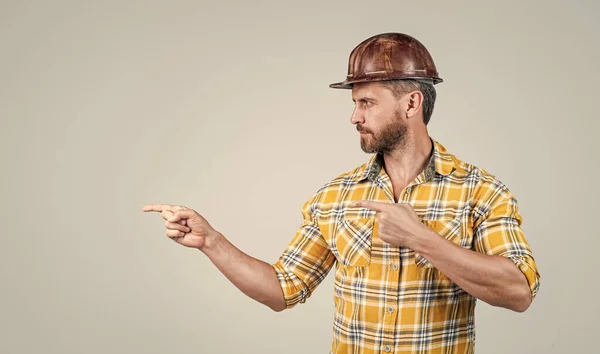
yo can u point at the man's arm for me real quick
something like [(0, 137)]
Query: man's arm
[(500, 271), (255, 278), (493, 279), (291, 280)]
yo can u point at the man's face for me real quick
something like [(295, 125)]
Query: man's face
[(378, 118)]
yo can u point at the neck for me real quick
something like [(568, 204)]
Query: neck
[(406, 162)]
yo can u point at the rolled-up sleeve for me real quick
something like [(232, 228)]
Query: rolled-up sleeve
[(305, 262), (498, 232)]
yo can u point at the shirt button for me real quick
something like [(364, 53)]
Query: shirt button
[(390, 309), (395, 267), (388, 349)]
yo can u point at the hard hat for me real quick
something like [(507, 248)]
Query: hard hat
[(389, 56)]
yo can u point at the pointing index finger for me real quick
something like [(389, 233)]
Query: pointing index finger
[(369, 204), (155, 207)]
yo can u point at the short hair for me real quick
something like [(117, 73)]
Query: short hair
[(400, 87)]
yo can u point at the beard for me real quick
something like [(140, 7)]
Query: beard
[(390, 137)]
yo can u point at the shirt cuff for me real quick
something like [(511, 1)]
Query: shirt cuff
[(526, 266), (294, 290)]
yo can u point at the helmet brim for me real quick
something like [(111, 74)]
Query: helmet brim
[(341, 85), (349, 84)]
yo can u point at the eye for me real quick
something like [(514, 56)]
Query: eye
[(366, 103)]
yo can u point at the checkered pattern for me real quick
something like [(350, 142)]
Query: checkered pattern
[(392, 300)]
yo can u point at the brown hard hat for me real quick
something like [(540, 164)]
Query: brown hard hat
[(389, 56)]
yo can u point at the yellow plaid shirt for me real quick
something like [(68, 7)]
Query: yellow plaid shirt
[(389, 299)]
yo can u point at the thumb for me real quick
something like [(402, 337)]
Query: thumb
[(181, 214)]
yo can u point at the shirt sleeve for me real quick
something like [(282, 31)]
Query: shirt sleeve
[(305, 262), (498, 232)]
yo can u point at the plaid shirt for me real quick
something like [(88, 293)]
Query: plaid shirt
[(389, 299)]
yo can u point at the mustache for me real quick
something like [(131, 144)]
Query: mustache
[(362, 129)]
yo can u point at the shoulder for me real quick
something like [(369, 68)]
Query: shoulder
[(487, 191), (488, 186), (483, 181)]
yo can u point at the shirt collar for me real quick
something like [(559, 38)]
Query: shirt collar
[(440, 162)]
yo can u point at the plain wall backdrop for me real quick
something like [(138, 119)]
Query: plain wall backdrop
[(225, 107)]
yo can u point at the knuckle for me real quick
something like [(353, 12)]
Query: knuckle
[(171, 226)]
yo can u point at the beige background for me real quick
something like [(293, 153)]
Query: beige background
[(224, 107)]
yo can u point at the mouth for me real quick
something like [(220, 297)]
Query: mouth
[(363, 132)]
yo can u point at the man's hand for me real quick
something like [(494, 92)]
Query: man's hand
[(399, 225), (185, 226)]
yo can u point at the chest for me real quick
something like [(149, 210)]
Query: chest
[(352, 232)]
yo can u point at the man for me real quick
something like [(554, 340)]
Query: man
[(415, 234)]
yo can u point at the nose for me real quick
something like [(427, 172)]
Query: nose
[(357, 116)]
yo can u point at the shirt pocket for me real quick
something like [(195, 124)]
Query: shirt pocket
[(352, 241), (454, 230)]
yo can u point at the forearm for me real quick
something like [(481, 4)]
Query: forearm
[(255, 278), (493, 279)]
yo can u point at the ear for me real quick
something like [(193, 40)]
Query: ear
[(413, 104)]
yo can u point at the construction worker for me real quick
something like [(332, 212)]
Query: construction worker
[(416, 235)]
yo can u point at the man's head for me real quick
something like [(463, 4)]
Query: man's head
[(387, 112), (391, 76)]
